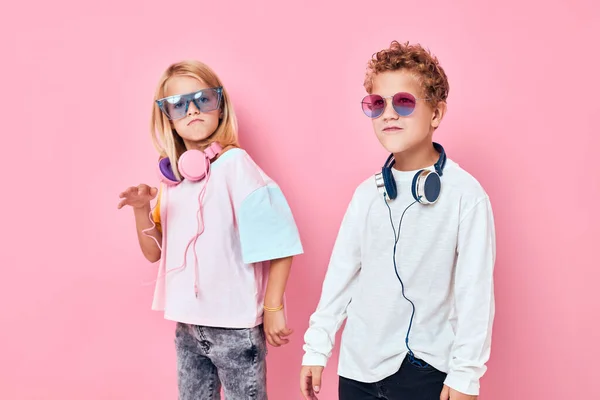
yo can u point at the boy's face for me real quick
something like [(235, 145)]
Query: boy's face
[(397, 133)]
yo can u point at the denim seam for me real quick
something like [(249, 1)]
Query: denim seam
[(252, 387)]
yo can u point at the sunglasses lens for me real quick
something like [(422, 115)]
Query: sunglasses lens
[(174, 107), (404, 104), (207, 100), (373, 105)]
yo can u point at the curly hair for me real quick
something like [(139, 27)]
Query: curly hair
[(415, 59)]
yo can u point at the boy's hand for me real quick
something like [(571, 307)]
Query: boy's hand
[(310, 381), (451, 394), (137, 196), (276, 329)]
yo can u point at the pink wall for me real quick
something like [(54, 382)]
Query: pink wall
[(78, 81)]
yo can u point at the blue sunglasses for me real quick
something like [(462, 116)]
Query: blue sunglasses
[(205, 100)]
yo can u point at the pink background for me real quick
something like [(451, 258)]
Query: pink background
[(78, 81)]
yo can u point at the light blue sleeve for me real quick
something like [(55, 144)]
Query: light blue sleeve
[(267, 227)]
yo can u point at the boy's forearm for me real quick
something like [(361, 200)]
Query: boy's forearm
[(278, 277), (147, 245), (336, 292), (474, 299)]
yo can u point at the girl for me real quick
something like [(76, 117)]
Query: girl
[(218, 221)]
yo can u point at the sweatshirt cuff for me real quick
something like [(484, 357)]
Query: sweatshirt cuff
[(315, 359), (461, 382)]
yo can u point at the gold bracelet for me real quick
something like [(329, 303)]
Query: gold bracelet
[(271, 309)]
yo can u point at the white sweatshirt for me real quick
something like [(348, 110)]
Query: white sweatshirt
[(445, 257)]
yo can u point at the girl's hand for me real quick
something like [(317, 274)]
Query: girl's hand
[(276, 329), (137, 196)]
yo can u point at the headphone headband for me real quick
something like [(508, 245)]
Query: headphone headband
[(426, 184), (441, 162), (389, 163), (439, 165)]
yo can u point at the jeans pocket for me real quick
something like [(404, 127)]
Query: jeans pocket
[(418, 364), (258, 342)]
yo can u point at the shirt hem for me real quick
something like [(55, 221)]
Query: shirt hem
[(258, 258), (347, 372), (215, 323)]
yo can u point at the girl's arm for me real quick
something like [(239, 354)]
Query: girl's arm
[(139, 197), (278, 277), (275, 325), (142, 223)]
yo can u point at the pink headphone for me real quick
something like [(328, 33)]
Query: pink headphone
[(193, 165)]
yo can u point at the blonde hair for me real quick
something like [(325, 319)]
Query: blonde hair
[(165, 138)]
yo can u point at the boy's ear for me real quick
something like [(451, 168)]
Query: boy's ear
[(438, 114)]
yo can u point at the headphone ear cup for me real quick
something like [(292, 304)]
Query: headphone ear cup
[(426, 187), (165, 172), (389, 182), (193, 165), (413, 187), (433, 187)]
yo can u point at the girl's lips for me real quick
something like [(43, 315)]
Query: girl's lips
[(194, 121)]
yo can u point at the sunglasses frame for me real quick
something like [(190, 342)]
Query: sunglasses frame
[(385, 99), (189, 98)]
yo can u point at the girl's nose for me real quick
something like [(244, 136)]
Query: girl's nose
[(192, 109)]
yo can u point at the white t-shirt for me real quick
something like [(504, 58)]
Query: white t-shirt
[(445, 257), (247, 222)]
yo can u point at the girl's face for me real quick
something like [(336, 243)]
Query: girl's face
[(195, 126)]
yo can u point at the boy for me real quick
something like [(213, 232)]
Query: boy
[(412, 267)]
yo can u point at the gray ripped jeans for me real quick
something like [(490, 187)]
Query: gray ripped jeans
[(208, 358)]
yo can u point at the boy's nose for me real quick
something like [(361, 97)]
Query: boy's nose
[(388, 111)]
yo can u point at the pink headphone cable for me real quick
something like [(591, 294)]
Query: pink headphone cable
[(200, 231)]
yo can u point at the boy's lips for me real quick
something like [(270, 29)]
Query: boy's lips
[(392, 129)]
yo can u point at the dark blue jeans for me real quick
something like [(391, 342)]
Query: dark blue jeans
[(209, 359), (409, 383)]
